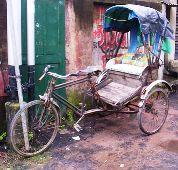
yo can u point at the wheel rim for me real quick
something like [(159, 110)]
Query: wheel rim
[(41, 127), (154, 111)]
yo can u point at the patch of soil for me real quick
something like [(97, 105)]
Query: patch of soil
[(171, 145), (3, 155)]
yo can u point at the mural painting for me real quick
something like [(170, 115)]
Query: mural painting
[(104, 43)]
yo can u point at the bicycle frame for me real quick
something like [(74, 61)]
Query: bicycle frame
[(52, 87), (91, 91)]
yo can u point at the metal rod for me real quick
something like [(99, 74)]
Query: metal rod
[(31, 48), (14, 42), (65, 102), (118, 47), (31, 83), (70, 83)]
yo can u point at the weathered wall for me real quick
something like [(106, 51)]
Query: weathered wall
[(3, 30), (3, 64), (3, 46), (79, 26), (150, 3), (83, 23)]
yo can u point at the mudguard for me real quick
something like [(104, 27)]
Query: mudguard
[(157, 83), (55, 104), (100, 77)]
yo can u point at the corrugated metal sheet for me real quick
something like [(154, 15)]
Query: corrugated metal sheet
[(169, 2)]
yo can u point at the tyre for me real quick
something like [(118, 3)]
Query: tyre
[(152, 115), (42, 126)]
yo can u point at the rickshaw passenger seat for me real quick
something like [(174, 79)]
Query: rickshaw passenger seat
[(128, 63)]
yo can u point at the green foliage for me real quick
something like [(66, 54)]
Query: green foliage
[(88, 103), (70, 116), (40, 159), (75, 98), (62, 127), (30, 135), (3, 135)]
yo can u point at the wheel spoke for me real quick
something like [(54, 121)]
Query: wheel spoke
[(154, 112), (42, 127)]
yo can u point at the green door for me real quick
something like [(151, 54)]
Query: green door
[(49, 38)]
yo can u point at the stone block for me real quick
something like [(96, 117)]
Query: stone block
[(173, 65), (11, 110)]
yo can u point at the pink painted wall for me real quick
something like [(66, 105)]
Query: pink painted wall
[(85, 40), (78, 23)]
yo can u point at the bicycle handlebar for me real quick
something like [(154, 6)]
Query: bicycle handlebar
[(45, 71), (41, 78), (58, 76), (85, 72)]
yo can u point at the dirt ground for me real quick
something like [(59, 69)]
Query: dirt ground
[(110, 143)]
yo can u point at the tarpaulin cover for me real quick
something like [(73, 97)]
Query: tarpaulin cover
[(123, 18)]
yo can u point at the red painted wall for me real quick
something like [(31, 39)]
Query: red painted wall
[(102, 41)]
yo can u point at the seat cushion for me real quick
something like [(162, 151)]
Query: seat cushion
[(128, 63), (140, 60), (126, 68)]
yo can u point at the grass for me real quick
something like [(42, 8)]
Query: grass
[(3, 136), (75, 98), (19, 162)]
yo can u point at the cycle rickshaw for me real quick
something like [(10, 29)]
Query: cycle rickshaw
[(128, 84)]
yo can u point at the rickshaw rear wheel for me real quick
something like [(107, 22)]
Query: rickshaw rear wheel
[(153, 113), (42, 126)]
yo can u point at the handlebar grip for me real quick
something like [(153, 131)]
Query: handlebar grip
[(42, 77), (47, 68), (51, 66)]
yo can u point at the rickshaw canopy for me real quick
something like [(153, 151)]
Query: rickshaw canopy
[(124, 18)]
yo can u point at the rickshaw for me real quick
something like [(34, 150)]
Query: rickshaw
[(128, 84)]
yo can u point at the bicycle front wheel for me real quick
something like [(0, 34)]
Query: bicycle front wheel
[(41, 126)]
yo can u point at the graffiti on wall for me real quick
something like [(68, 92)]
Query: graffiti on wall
[(104, 42)]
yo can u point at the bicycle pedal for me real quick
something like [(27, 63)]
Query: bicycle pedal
[(77, 127)]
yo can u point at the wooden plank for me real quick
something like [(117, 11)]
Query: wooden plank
[(114, 93)]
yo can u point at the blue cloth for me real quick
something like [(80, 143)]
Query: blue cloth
[(123, 17), (146, 38), (133, 40), (156, 44)]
